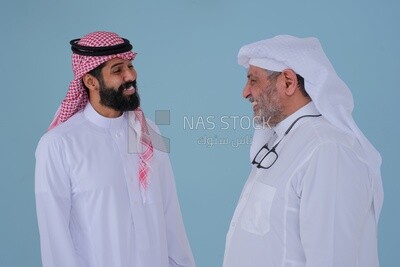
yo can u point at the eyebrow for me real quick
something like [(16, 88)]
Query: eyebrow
[(116, 64), (251, 76)]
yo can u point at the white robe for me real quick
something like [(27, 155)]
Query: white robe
[(312, 208), (89, 205)]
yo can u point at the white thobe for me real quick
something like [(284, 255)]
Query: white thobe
[(89, 205), (312, 208)]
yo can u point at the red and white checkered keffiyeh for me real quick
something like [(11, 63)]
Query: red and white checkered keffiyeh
[(147, 151), (77, 98)]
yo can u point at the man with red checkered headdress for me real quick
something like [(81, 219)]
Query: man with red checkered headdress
[(105, 195)]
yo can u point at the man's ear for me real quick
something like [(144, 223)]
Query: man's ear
[(290, 80), (90, 81)]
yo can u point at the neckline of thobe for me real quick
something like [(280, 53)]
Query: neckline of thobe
[(108, 123), (281, 128)]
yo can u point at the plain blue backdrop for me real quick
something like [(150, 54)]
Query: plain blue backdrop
[(187, 64)]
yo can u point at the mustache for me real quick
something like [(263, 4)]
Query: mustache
[(127, 85)]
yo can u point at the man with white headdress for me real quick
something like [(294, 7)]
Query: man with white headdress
[(104, 186), (314, 194)]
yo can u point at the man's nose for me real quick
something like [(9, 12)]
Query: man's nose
[(246, 91), (130, 75)]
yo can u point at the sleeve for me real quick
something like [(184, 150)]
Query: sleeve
[(335, 199), (53, 205), (179, 252)]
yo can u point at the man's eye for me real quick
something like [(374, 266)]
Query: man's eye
[(252, 82), (117, 70)]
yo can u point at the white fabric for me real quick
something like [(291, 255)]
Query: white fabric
[(89, 207), (330, 94), (312, 208)]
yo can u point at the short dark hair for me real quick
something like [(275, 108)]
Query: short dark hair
[(300, 81), (96, 72)]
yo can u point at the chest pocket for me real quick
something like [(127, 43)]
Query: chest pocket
[(256, 214)]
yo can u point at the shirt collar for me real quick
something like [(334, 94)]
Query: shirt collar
[(282, 127), (108, 123)]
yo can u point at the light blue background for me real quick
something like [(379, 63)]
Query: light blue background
[(187, 64)]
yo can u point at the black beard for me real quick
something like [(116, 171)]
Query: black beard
[(115, 99)]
